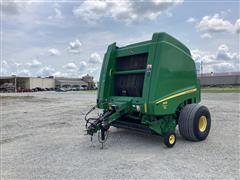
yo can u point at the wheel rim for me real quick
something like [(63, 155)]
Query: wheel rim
[(172, 139), (202, 125)]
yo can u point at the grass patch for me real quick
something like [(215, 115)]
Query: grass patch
[(3, 97), (224, 89)]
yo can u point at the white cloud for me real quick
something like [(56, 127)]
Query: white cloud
[(75, 46), (4, 63), (191, 20), (23, 72), (197, 54), (54, 52), (225, 13), (11, 67), (223, 67), (65, 74), (33, 68), (17, 64), (95, 58), (34, 64), (223, 60), (128, 11), (237, 26), (169, 14), (58, 74), (20, 11), (206, 36), (215, 23), (70, 66), (57, 14), (223, 53), (46, 71), (82, 66), (4, 68)]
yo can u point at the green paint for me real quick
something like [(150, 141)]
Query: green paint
[(173, 73)]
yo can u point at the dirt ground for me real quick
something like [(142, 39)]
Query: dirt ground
[(42, 137)]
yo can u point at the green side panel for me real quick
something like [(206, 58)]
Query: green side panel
[(164, 37), (105, 88), (164, 125), (173, 72), (134, 49)]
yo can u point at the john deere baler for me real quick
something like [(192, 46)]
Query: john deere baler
[(151, 86)]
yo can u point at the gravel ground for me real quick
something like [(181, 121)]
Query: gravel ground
[(42, 137)]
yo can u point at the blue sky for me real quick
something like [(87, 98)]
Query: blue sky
[(64, 38)]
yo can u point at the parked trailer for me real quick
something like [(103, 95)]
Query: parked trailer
[(150, 86)]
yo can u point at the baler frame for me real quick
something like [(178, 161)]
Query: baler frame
[(131, 90)]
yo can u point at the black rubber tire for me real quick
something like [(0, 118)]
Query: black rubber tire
[(166, 139), (188, 122)]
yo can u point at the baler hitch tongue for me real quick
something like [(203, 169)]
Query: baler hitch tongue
[(100, 125), (95, 124)]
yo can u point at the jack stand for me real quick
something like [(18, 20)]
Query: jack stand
[(102, 136), (91, 139)]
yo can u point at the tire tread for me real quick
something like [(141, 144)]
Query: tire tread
[(186, 121)]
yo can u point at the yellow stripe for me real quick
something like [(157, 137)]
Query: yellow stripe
[(145, 107), (178, 94)]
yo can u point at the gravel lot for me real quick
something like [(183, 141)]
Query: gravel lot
[(43, 138)]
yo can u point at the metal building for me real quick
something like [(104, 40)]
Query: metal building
[(25, 82), (89, 80), (14, 83), (220, 79), (62, 82)]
